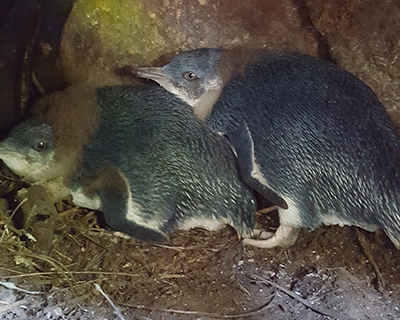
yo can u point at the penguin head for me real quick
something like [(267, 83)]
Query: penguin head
[(192, 76), (29, 149)]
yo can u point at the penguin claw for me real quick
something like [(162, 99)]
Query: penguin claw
[(285, 236)]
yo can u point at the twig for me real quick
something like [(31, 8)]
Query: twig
[(67, 212), (267, 210), (303, 301), (92, 240), (2, 175), (10, 270), (10, 306), (12, 215), (176, 248), (11, 285), (36, 274), (170, 276), (53, 262), (180, 248), (207, 314), (364, 245), (38, 85), (116, 309)]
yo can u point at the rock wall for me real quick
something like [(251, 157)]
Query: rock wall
[(361, 36), (364, 38)]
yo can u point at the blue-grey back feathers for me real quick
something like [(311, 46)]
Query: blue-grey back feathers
[(176, 168), (320, 138), (149, 165)]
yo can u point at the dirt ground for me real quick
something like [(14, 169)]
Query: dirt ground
[(77, 269)]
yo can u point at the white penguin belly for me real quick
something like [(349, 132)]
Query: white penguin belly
[(290, 216), (201, 222), (83, 201)]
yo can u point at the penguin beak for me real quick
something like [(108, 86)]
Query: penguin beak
[(153, 73)]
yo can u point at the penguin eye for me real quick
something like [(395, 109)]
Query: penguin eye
[(189, 76), (40, 146)]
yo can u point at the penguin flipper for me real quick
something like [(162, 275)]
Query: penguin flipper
[(114, 208), (120, 211), (242, 144)]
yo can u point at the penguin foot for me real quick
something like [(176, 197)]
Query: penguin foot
[(262, 234), (285, 236)]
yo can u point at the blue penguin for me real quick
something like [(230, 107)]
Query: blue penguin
[(149, 164), (310, 132)]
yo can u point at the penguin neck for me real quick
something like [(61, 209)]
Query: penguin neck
[(231, 63), (202, 108)]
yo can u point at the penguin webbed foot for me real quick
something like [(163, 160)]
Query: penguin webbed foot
[(285, 236), (262, 234)]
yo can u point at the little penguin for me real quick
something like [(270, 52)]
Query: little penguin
[(308, 135), (149, 164)]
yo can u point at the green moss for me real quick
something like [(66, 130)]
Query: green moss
[(123, 27)]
